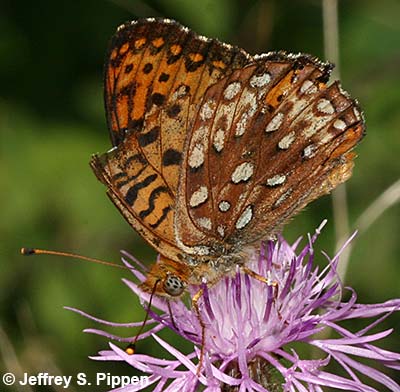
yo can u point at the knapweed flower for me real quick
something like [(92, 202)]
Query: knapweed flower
[(251, 328)]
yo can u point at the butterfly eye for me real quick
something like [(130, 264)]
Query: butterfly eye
[(173, 286)]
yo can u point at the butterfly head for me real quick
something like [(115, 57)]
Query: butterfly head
[(167, 278)]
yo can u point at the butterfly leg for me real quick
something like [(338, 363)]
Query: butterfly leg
[(262, 279), (265, 280), (195, 304)]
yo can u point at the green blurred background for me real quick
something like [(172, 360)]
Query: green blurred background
[(52, 120)]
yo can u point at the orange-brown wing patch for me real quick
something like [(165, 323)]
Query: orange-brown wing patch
[(140, 194), (251, 161), (290, 173), (156, 75), (303, 150), (223, 152)]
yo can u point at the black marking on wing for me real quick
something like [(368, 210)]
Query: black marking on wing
[(120, 184), (171, 157), (137, 158), (133, 191), (117, 176), (154, 194), (163, 77), (148, 68), (135, 124), (157, 99), (174, 110), (145, 139), (161, 218), (128, 68)]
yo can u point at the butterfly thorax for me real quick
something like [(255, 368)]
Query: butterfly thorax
[(170, 278), (210, 270)]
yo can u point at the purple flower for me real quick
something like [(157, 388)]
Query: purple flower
[(251, 326)]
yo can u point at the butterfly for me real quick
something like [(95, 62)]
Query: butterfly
[(215, 149)]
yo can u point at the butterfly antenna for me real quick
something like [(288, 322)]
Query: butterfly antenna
[(131, 348), (172, 316), (34, 251)]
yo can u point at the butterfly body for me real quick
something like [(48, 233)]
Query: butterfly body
[(215, 149)]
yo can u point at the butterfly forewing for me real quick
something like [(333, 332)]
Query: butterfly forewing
[(156, 75)]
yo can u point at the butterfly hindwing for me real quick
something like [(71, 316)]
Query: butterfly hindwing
[(267, 140)]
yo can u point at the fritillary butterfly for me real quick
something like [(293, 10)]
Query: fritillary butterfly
[(215, 148)]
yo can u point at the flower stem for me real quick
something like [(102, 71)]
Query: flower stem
[(260, 371)]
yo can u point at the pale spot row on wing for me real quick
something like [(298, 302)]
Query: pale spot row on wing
[(276, 180), (325, 106), (244, 218), (221, 231), (246, 108), (224, 206), (205, 223), (242, 172), (240, 111), (258, 81), (219, 139), (308, 87), (207, 110), (275, 123), (232, 90), (197, 155), (222, 122), (287, 141), (282, 198), (199, 197), (340, 125), (309, 151)]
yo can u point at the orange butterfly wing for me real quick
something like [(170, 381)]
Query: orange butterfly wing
[(155, 77)]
